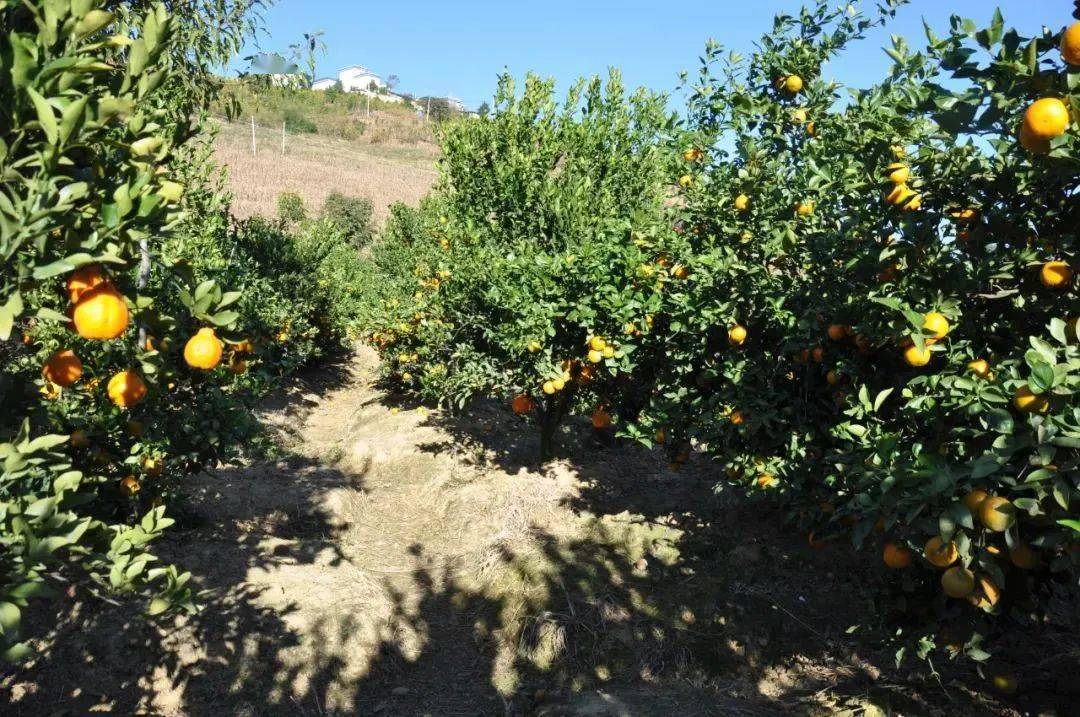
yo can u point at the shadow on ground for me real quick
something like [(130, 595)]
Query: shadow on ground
[(652, 596)]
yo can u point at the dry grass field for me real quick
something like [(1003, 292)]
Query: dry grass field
[(313, 166)]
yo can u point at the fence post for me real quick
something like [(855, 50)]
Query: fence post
[(253, 151), (282, 138)]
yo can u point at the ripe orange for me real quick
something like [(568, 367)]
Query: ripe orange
[(82, 280), (152, 466), (916, 357), (793, 84), (680, 272), (549, 387), (686, 181), (958, 582), (693, 155), (766, 480), (936, 324), (101, 313), (837, 332), (1070, 44), (981, 368), (987, 594), (126, 389), (203, 350), (601, 419), (522, 404), (1046, 118), (742, 203), (737, 418), (63, 368), (129, 486), (899, 194), (79, 438), (974, 499), (559, 383), (596, 356), (896, 556), (811, 129), (939, 553), (818, 354), (1028, 402), (897, 173), (736, 335), (1032, 143), (804, 209), (997, 513), (597, 343), (1024, 557), (609, 351), (1055, 274), (832, 378)]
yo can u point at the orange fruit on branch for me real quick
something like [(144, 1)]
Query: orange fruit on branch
[(1028, 402), (997, 513), (1046, 118), (981, 368), (937, 325), (917, 357), (1070, 44), (958, 582), (737, 335), (939, 553), (1055, 274), (896, 556), (63, 368), (522, 404), (101, 313), (126, 389), (129, 486), (601, 419), (203, 350), (82, 280)]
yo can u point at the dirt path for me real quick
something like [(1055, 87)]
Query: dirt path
[(400, 561)]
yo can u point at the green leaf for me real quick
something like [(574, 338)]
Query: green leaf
[(45, 115), (9, 617)]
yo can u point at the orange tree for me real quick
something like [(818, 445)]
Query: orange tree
[(112, 346), (522, 275), (882, 328)]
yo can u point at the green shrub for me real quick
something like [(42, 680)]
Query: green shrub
[(298, 123), (352, 215), (290, 207)]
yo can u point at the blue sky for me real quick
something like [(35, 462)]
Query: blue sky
[(439, 47)]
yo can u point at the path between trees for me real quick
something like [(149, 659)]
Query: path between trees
[(402, 561)]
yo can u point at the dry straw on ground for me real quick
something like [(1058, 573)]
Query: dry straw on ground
[(315, 166)]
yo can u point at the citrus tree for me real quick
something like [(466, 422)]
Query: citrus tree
[(105, 335)]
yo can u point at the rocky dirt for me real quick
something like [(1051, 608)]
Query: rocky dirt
[(403, 561)]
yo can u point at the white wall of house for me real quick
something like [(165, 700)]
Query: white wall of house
[(359, 79), (324, 83)]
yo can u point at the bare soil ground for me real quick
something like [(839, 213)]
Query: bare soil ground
[(403, 561), (314, 166)]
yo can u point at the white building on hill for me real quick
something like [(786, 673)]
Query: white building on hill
[(361, 80)]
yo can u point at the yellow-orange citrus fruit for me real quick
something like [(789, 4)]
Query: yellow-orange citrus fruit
[(1031, 143), (203, 350), (799, 115), (1024, 557), (686, 181), (939, 553), (742, 202), (82, 280), (936, 324), (1005, 683), (609, 351), (974, 499), (736, 335), (997, 513), (597, 343), (1046, 118), (1070, 44), (958, 582), (522, 404), (549, 387), (534, 346), (601, 419), (793, 84), (916, 356), (832, 378), (899, 194), (804, 209), (766, 480), (817, 355), (896, 556), (126, 389), (837, 332), (737, 418), (559, 383), (1028, 402), (981, 368), (811, 129), (897, 173), (680, 272), (1054, 274), (987, 595), (693, 155), (151, 466), (129, 486), (79, 438), (596, 356), (63, 368), (101, 313)]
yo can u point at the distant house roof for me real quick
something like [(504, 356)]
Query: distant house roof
[(358, 67)]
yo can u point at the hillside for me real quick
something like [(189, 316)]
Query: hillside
[(314, 165)]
